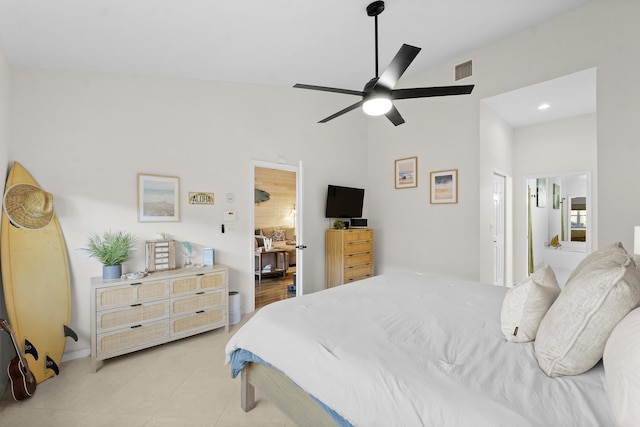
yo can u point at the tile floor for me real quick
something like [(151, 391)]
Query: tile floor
[(183, 383)]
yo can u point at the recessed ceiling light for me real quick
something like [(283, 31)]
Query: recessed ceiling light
[(543, 106)]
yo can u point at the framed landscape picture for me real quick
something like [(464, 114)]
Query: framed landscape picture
[(444, 186), (541, 192), (406, 172), (556, 196), (158, 198)]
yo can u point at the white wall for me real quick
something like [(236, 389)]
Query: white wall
[(618, 94), (412, 234), (444, 133), (6, 348), (85, 136)]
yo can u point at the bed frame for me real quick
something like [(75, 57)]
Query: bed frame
[(293, 401)]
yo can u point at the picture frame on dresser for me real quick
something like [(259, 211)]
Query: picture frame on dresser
[(158, 198)]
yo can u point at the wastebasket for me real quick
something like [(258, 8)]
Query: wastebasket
[(234, 307)]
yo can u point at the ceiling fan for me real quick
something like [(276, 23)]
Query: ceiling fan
[(379, 92)]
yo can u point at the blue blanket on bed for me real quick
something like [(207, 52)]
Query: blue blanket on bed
[(241, 357)]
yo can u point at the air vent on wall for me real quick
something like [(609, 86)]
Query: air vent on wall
[(464, 70)]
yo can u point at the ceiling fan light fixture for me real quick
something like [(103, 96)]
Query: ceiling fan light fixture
[(378, 93), (377, 106)]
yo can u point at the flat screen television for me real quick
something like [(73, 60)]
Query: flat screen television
[(344, 202)]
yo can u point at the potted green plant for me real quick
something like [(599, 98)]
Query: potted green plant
[(112, 249)]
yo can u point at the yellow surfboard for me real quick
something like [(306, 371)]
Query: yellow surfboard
[(35, 276)]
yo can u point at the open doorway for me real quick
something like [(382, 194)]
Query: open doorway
[(543, 128), (276, 258)]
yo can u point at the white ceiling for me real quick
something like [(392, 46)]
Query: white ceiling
[(276, 42), (567, 96)]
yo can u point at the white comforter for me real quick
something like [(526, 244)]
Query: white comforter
[(405, 349)]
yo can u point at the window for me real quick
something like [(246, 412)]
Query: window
[(578, 219)]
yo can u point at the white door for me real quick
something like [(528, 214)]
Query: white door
[(300, 246), (498, 230)]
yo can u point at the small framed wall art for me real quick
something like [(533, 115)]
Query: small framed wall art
[(556, 196), (406, 172), (444, 186), (158, 198), (541, 192)]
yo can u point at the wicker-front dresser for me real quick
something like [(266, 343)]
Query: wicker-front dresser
[(129, 315)]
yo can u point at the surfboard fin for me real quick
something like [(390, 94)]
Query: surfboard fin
[(68, 332), (52, 365), (30, 349)]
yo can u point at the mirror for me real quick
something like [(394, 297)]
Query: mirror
[(558, 217)]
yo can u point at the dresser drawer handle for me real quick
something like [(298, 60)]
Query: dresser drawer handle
[(199, 293), (136, 305), (137, 283), (136, 326), (200, 274), (199, 312)]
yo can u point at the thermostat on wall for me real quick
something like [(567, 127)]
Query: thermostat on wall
[(229, 216)]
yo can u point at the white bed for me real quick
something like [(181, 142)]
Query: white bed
[(407, 349)]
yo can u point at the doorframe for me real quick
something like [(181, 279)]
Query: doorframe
[(298, 222), (503, 263)]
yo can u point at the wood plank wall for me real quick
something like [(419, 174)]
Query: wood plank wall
[(281, 185)]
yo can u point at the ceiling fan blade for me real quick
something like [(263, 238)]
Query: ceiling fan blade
[(341, 112), (394, 116), (425, 92), (330, 89), (398, 66)]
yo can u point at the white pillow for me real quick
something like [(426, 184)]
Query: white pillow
[(622, 369), (595, 256), (525, 305), (573, 333)]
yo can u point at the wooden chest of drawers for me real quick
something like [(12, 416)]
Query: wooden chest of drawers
[(349, 255), (129, 315)]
